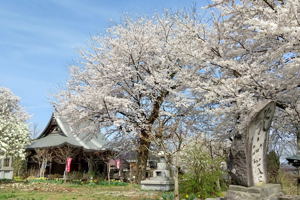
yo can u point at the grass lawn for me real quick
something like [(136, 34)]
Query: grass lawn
[(53, 191)]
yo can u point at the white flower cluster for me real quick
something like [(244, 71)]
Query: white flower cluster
[(14, 133), (136, 76)]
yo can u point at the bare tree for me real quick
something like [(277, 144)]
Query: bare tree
[(42, 157)]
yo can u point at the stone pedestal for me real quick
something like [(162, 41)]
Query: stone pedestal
[(161, 179), (289, 197), (158, 185), (263, 192), (6, 169)]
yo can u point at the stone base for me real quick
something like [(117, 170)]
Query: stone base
[(289, 197), (263, 192), (6, 174), (159, 185)]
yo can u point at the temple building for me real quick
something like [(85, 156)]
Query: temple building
[(49, 152)]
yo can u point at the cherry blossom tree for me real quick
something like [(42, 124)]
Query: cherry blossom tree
[(131, 78), (252, 55), (254, 51), (14, 133)]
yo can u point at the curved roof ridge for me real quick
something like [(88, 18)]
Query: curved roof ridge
[(46, 128), (63, 125)]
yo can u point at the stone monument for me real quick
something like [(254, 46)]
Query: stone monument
[(247, 158), (6, 169), (161, 179)]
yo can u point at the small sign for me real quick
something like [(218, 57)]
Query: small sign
[(118, 163), (68, 164)]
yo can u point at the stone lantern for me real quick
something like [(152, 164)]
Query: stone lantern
[(161, 180)]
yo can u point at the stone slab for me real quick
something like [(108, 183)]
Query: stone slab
[(158, 187), (157, 181), (263, 192), (158, 184), (289, 197)]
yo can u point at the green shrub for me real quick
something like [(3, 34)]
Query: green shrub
[(288, 181), (167, 196), (19, 166), (203, 177), (273, 165), (5, 181), (97, 182), (44, 180), (18, 179), (74, 176)]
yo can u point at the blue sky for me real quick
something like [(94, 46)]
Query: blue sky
[(39, 39)]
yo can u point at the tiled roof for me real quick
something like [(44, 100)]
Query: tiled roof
[(66, 135)]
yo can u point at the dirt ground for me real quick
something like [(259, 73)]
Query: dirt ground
[(51, 191)]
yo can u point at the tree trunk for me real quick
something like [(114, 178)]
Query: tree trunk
[(65, 172), (91, 166), (142, 157), (144, 142), (65, 176), (43, 167), (218, 184), (108, 172), (79, 166), (176, 183), (298, 139), (176, 177), (130, 172), (50, 167), (237, 161)]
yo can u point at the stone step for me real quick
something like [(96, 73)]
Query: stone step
[(289, 197)]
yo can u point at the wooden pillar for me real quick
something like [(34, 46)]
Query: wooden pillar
[(108, 171), (50, 167)]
